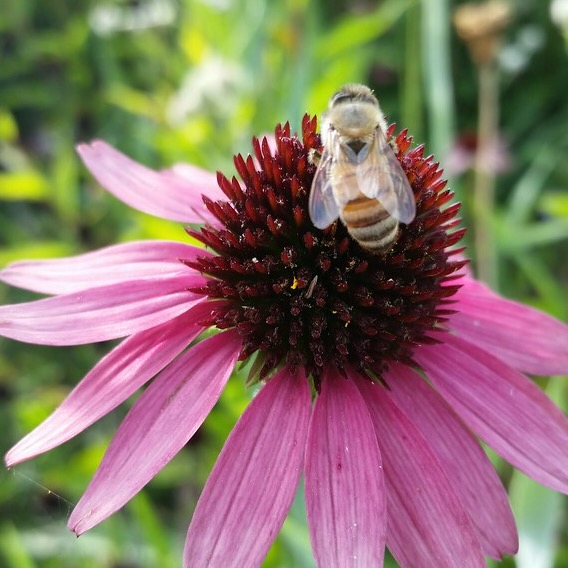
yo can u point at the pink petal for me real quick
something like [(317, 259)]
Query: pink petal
[(205, 180), (116, 377), (251, 488), (110, 265), (523, 337), (427, 524), (160, 423), (345, 493), (465, 464), (98, 314), (504, 408), (163, 194)]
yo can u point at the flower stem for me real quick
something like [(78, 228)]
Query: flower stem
[(484, 178)]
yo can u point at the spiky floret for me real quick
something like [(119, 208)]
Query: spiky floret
[(312, 297)]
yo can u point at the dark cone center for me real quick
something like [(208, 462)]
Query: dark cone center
[(308, 297)]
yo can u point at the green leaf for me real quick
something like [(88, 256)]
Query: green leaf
[(555, 204), (13, 549), (534, 235), (356, 30), (23, 186), (35, 250), (8, 126), (154, 531), (527, 189)]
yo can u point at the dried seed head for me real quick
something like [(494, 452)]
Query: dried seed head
[(481, 26)]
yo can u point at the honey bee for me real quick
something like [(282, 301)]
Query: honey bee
[(358, 177)]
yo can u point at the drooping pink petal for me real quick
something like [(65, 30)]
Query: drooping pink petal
[(427, 523), (159, 424), (465, 464), (102, 313), (110, 265), (205, 180), (345, 492), (503, 407), (116, 377), (252, 485), (163, 194), (525, 338)]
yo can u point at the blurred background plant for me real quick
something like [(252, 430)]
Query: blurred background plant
[(171, 81)]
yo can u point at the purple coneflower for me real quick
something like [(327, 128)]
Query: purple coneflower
[(378, 373)]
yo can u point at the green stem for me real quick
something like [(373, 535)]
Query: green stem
[(437, 69), (484, 180)]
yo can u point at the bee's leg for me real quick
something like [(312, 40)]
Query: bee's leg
[(314, 157), (393, 145)]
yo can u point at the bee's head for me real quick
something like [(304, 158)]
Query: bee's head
[(353, 117)]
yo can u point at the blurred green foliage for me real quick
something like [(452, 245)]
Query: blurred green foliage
[(191, 81)]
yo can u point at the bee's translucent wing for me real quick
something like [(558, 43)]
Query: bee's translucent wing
[(322, 206), (380, 176)]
